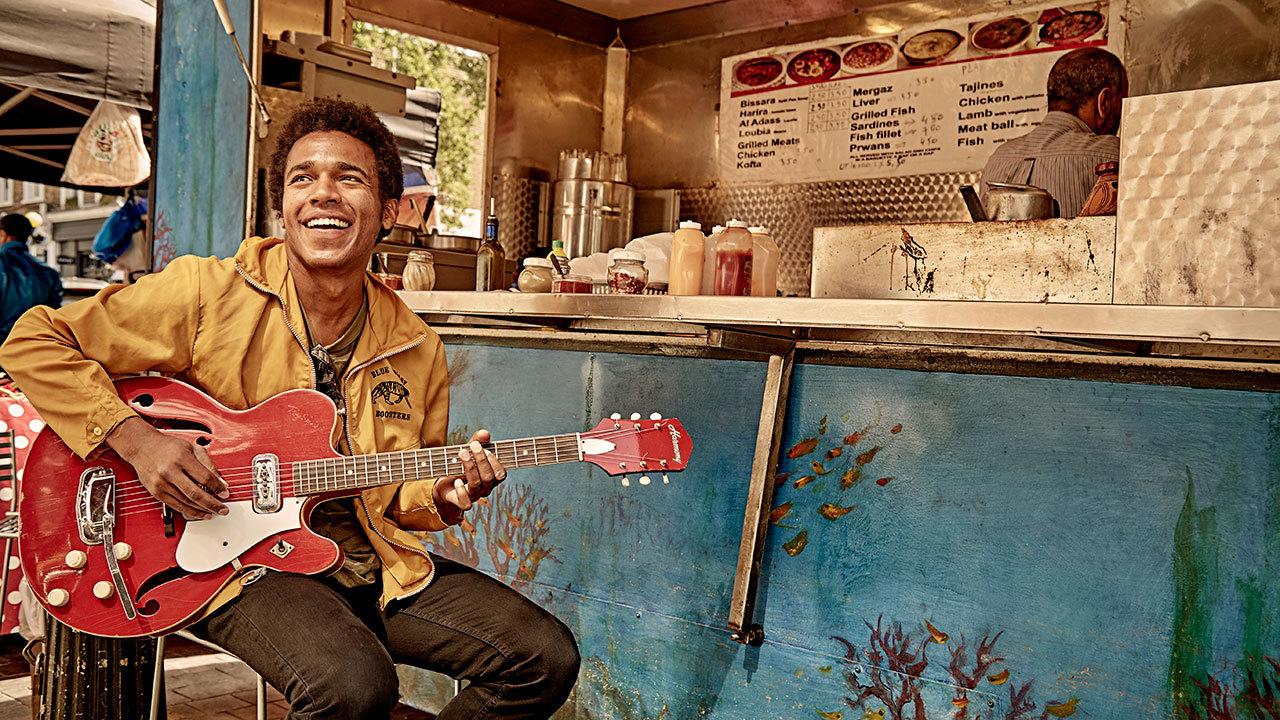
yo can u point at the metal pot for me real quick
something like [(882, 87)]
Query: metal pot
[(436, 241), (1011, 201)]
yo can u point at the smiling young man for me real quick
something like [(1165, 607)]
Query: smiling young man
[(303, 313)]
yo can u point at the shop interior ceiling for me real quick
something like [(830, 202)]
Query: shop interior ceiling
[(647, 23)]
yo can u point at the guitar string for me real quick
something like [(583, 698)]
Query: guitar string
[(233, 475), (139, 501), (125, 498)]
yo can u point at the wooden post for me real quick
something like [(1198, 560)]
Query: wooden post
[(85, 677)]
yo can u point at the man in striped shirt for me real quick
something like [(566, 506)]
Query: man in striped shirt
[(1085, 88)]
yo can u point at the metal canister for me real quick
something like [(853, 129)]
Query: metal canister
[(593, 204)]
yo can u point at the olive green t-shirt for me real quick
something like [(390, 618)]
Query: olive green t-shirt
[(340, 520)]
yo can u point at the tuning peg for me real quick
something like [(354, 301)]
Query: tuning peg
[(644, 480), (635, 416), (616, 416), (655, 416), (626, 481)]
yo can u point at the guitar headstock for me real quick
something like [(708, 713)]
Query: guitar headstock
[(656, 445)]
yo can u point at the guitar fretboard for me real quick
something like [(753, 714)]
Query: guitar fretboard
[(363, 471)]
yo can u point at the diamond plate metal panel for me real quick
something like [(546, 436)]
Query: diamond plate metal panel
[(791, 212), (1199, 208), (521, 207)]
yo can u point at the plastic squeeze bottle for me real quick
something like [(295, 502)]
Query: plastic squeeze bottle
[(764, 263), (559, 260), (709, 261), (687, 248), (733, 260)]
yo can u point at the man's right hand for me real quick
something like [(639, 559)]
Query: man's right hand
[(176, 472)]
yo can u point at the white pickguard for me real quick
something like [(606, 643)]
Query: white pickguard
[(209, 544)]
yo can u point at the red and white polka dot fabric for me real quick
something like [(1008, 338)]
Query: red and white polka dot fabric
[(19, 418)]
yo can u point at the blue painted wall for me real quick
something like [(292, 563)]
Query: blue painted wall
[(202, 140), (965, 547)]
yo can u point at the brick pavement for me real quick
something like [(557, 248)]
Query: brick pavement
[(200, 687)]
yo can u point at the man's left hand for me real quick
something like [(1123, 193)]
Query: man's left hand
[(481, 473)]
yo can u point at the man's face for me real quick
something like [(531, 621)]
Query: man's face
[(331, 208)]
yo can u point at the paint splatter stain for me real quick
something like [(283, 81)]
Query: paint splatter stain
[(804, 447), (883, 481), (780, 512), (825, 669), (795, 545), (831, 511), (896, 429), (822, 425)]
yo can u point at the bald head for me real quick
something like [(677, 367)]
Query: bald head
[(1089, 83)]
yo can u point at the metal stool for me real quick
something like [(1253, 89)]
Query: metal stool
[(156, 682)]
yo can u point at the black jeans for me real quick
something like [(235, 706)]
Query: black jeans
[(331, 651)]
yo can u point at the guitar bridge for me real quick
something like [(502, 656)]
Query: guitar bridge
[(266, 483), (95, 502)]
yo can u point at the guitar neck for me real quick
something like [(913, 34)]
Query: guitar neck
[(357, 472)]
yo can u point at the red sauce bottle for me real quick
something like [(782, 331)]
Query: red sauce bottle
[(733, 260)]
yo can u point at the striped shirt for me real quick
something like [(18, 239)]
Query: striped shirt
[(1065, 152)]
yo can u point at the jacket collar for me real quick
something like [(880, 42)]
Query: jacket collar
[(390, 324)]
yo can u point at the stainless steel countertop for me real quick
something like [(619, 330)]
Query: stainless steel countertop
[(1232, 325)]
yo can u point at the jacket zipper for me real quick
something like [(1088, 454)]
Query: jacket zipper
[(346, 426)]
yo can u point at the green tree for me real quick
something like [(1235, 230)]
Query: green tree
[(461, 76)]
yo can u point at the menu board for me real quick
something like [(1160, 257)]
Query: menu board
[(930, 98)]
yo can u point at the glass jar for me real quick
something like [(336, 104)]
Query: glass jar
[(571, 284), (536, 276), (419, 271), (627, 274)]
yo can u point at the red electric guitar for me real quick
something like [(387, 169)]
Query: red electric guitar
[(103, 556)]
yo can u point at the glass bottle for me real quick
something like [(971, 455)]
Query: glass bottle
[(764, 263), (491, 259), (419, 271), (733, 260), (627, 274), (536, 276), (687, 249)]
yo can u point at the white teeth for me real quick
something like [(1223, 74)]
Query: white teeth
[(327, 222)]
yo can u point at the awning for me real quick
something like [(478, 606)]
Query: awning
[(57, 59)]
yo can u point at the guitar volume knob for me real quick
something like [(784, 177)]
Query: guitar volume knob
[(103, 589), (123, 551), (76, 559), (58, 597)]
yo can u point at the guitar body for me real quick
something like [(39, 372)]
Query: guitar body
[(296, 426)]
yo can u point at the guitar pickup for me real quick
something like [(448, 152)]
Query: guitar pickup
[(266, 483)]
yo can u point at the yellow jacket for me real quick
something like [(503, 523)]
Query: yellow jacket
[(234, 329)]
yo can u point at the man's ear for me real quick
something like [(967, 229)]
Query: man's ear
[(1107, 103), (390, 211)]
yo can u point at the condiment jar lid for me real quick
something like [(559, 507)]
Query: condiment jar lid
[(537, 262), (717, 229), (758, 230), (737, 223), (628, 255), (421, 255), (690, 225)]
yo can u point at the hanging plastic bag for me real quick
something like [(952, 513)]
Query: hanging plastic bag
[(116, 233), (109, 151)]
